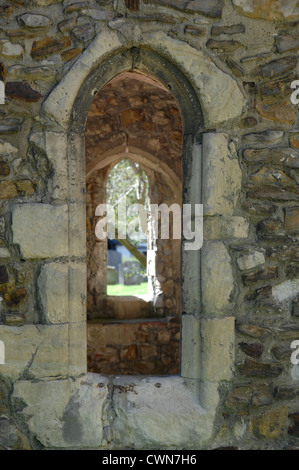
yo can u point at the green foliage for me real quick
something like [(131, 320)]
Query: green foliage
[(128, 181)]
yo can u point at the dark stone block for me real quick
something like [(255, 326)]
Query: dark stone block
[(3, 275), (22, 91)]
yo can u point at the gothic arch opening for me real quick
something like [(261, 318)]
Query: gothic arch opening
[(134, 118)]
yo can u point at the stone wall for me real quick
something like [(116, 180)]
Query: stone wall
[(237, 386)]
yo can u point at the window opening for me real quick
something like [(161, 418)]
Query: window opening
[(127, 191), (134, 126)]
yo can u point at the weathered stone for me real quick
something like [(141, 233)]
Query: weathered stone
[(251, 368), (8, 190), (103, 14), (84, 32), (217, 349), (258, 208), (255, 57), (132, 4), (220, 228), (294, 139), (54, 145), (67, 25), (48, 46), (276, 67), (45, 3), (132, 116), (46, 345), (13, 295), (3, 275), (269, 229), (221, 176), (248, 121), (4, 252), (10, 437), (25, 187), (292, 271), (264, 136), (285, 253), (129, 353), (6, 10), (22, 34), (281, 156), (286, 43), (293, 429), (38, 227), (268, 10), (230, 29), (261, 395), (73, 7), (4, 169), (295, 309), (286, 290), (223, 46), (239, 397), (251, 261), (194, 30), (43, 72), (271, 424), (291, 221), (14, 320), (253, 330), (9, 125), (34, 21), (70, 53), (2, 72), (254, 350), (236, 69), (275, 90), (211, 8), (216, 264), (74, 418), (285, 393), (276, 194), (260, 275), (53, 292), (147, 415), (22, 91), (190, 364), (8, 49), (270, 175), (280, 112), (213, 97)]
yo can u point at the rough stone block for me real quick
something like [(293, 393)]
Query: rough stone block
[(279, 10), (41, 230), (53, 292), (217, 279), (222, 228), (38, 350), (54, 144), (217, 349), (250, 261), (158, 411), (222, 176), (73, 417), (291, 222)]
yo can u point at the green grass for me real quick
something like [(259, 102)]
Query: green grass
[(119, 289)]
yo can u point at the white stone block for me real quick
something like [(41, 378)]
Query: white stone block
[(41, 230), (254, 259)]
